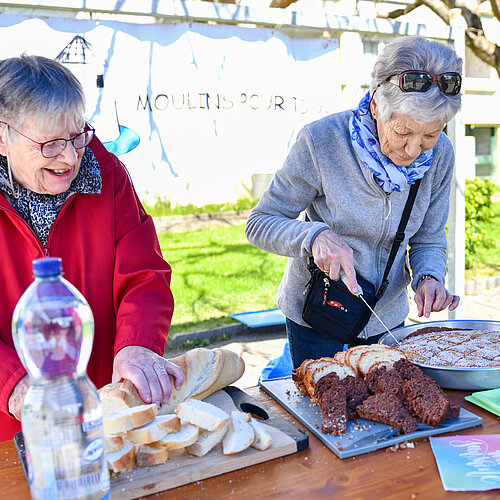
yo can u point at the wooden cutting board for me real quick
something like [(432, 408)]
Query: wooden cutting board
[(186, 469), (143, 481)]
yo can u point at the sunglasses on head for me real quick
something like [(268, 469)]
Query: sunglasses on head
[(422, 81)]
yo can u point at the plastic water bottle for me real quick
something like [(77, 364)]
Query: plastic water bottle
[(53, 331)]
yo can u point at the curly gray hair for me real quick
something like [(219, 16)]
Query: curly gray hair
[(415, 53), (35, 86)]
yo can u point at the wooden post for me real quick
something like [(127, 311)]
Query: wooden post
[(456, 219)]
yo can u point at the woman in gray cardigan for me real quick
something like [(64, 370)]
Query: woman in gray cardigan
[(350, 173)]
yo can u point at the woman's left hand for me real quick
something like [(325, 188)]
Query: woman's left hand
[(148, 372), (431, 295)]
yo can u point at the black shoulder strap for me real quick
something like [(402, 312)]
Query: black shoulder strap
[(400, 236)]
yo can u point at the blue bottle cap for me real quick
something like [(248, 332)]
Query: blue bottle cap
[(46, 267)]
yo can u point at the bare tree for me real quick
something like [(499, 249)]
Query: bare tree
[(486, 50), (475, 38)]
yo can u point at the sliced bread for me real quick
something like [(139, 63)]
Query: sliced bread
[(186, 436), (240, 434), (207, 441), (128, 418), (386, 357), (204, 415), (147, 455), (262, 439), (113, 442), (123, 459), (170, 422), (148, 433)]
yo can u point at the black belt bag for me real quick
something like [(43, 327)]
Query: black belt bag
[(331, 309)]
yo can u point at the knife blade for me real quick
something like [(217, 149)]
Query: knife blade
[(359, 294)]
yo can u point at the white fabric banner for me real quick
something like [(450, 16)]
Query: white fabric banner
[(193, 110)]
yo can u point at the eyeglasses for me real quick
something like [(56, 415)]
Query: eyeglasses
[(421, 81), (54, 147)]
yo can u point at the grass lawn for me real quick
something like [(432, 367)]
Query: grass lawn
[(216, 272)]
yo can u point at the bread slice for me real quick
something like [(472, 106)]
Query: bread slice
[(119, 396), (354, 353), (317, 363), (240, 434), (147, 456), (129, 418), (262, 439), (113, 442), (187, 435), (204, 415), (170, 423), (123, 459), (148, 433), (143, 414), (207, 440), (341, 369), (386, 357), (177, 452)]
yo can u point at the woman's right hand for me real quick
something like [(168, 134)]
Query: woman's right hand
[(331, 253)]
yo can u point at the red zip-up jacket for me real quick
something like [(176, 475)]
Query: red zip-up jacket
[(110, 252)]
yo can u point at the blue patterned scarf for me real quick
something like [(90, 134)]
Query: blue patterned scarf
[(364, 138)]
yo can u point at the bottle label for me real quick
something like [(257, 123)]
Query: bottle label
[(71, 488), (94, 450)]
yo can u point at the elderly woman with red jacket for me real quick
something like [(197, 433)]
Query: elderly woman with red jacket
[(64, 195)]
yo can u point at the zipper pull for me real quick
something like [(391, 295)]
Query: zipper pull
[(325, 293)]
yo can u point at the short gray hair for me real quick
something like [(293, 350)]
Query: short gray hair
[(417, 53), (35, 86)]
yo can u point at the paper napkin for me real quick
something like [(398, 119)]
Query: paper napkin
[(489, 400), (468, 463)]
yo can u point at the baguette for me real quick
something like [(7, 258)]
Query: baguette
[(205, 372)]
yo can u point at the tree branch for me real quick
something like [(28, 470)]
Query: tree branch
[(483, 48)]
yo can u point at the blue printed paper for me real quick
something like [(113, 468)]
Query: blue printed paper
[(468, 463)]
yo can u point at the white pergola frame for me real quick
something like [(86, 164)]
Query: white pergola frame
[(289, 21)]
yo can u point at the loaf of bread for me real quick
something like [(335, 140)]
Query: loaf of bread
[(205, 372)]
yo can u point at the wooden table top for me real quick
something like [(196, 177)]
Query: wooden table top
[(313, 473)]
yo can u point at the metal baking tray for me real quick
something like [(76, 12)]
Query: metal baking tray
[(362, 435), (449, 377)]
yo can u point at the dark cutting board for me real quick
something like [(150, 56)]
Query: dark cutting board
[(362, 435), (142, 481)]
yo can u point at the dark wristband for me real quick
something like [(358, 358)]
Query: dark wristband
[(425, 277)]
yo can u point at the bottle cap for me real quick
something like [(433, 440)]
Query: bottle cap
[(46, 267)]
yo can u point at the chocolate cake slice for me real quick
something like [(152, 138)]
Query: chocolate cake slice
[(334, 409), (356, 392), (324, 383), (427, 400), (388, 409), (390, 382), (372, 377)]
